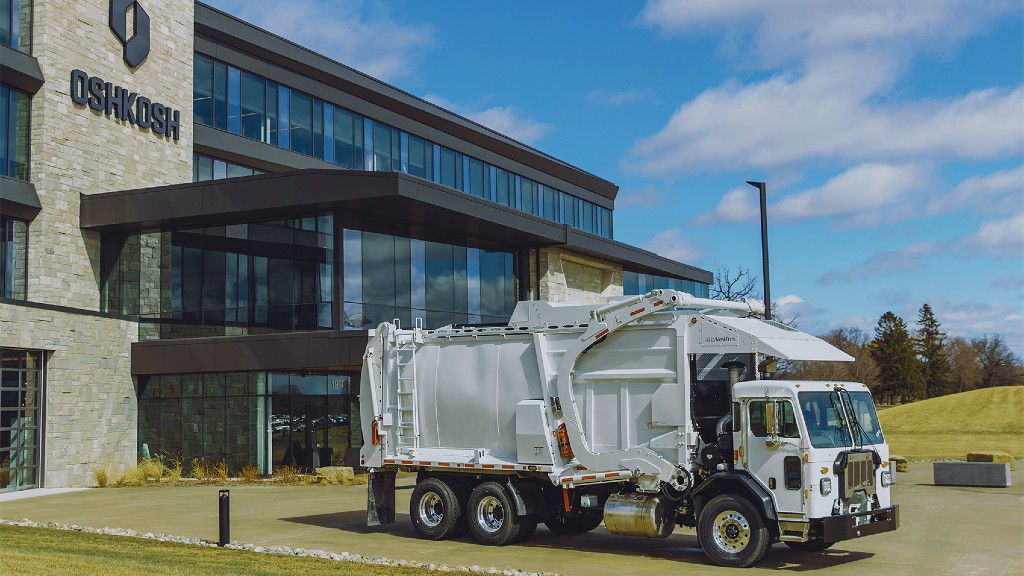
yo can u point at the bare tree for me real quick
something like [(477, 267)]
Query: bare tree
[(734, 286), (964, 360), (999, 366)]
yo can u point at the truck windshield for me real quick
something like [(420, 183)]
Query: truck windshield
[(826, 426)]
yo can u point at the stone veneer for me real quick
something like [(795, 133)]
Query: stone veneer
[(90, 403), (574, 279)]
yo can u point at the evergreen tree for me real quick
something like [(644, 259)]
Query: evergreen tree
[(899, 370), (930, 343)]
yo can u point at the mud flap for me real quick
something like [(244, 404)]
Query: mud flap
[(380, 498)]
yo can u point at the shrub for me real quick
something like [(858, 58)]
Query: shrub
[(102, 476), (199, 469), (250, 474), (287, 475), (220, 470)]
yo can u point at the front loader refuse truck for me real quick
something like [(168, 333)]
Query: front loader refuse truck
[(644, 413)]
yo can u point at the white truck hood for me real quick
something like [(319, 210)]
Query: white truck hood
[(722, 334)]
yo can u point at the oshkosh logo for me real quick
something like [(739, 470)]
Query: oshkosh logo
[(136, 48)]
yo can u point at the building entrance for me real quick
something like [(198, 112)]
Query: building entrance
[(310, 429)]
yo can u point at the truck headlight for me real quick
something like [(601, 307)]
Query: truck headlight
[(826, 486), (886, 478)]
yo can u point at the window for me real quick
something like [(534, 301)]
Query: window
[(202, 90), (206, 168), (13, 258), (22, 381), (14, 122), (16, 24), (784, 416), (301, 122), (390, 277), (254, 107), (826, 413)]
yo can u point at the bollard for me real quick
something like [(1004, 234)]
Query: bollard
[(225, 518)]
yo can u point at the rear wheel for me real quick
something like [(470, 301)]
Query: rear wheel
[(436, 509), (732, 533), (492, 516), (810, 545)]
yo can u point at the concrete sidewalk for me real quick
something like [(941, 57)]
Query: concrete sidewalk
[(944, 530)]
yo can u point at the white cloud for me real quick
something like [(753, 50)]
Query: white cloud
[(737, 205), (671, 245), (1002, 239), (908, 259), (618, 98), (863, 195), (786, 29), (506, 120), (829, 95), (360, 35), (973, 319), (996, 193)]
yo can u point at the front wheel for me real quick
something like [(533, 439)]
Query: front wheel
[(810, 545), (492, 516), (732, 533)]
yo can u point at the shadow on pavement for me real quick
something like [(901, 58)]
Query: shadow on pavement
[(681, 548)]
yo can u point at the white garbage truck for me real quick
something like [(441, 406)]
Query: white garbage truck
[(643, 413)]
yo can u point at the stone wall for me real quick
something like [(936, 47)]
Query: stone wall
[(89, 398), (76, 150), (91, 408), (574, 279)]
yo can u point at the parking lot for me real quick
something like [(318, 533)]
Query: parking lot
[(944, 530)]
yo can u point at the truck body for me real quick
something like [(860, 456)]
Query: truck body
[(645, 413)]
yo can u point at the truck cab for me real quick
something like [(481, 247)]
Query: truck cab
[(818, 450)]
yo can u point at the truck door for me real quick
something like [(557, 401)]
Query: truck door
[(775, 461)]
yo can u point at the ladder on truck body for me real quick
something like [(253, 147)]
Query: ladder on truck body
[(407, 423)]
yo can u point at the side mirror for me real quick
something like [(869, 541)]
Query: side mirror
[(770, 420)]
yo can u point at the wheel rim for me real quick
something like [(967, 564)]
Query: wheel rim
[(431, 510), (490, 514), (731, 531)]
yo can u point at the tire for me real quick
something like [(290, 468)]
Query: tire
[(732, 532), (436, 509), (810, 546), (492, 516), (564, 525)]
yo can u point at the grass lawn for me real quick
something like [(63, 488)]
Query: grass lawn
[(949, 427), (67, 553)]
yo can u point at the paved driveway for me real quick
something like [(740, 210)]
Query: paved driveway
[(944, 530)]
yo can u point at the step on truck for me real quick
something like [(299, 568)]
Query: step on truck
[(644, 413)]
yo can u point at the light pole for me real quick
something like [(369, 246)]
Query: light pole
[(764, 248)]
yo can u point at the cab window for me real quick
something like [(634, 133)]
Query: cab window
[(784, 415)]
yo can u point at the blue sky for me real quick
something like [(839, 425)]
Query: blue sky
[(890, 132)]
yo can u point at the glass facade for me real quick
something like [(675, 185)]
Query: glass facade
[(254, 107), (250, 418), (388, 277), (14, 122), (21, 389), (13, 258), (634, 283), (16, 24), (280, 276), (207, 168), (265, 276)]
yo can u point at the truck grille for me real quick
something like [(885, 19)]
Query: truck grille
[(859, 474)]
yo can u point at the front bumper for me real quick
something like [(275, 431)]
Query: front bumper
[(858, 524)]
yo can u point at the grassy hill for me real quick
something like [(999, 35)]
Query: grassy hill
[(949, 427)]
